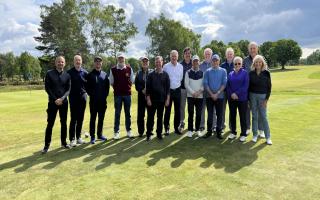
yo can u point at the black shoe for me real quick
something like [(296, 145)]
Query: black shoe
[(166, 133), (219, 136), (159, 137), (66, 146), (44, 150), (178, 132), (140, 135), (208, 134), (148, 138)]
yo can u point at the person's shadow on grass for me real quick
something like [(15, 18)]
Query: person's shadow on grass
[(232, 155)]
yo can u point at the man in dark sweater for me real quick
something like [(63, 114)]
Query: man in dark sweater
[(57, 86), (77, 100), (121, 78), (140, 84), (158, 96), (98, 90)]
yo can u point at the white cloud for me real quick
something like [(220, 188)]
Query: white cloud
[(307, 51)]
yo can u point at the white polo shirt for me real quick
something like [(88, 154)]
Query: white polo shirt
[(175, 73)]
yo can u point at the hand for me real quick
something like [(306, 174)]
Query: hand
[(194, 94), (58, 102), (144, 91), (167, 102), (149, 102), (264, 103), (214, 96), (234, 96)]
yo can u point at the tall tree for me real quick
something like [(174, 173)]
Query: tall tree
[(29, 66), (286, 50), (267, 50), (243, 45), (61, 30), (107, 26), (166, 35), (9, 65)]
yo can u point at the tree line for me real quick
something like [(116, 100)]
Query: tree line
[(88, 28)]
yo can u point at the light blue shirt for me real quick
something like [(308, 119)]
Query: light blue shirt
[(214, 78)]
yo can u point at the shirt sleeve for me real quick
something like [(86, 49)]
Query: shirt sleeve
[(269, 85), (187, 84), (131, 76), (68, 89), (205, 80), (48, 87), (148, 85), (111, 80), (224, 78)]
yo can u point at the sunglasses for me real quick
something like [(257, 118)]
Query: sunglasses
[(237, 64)]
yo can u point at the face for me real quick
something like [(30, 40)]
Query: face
[(174, 57), (121, 60), (253, 50), (145, 63), (237, 65), (195, 64), (207, 55), (215, 63), (98, 65), (60, 63), (158, 64), (229, 55), (258, 64), (77, 61), (187, 55)]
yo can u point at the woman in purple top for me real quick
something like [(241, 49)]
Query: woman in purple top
[(237, 93)]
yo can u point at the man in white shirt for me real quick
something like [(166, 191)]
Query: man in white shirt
[(175, 71)]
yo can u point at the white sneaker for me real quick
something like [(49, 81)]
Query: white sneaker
[(116, 136), (199, 133), (129, 134), (243, 138), (73, 143), (261, 134), (189, 134), (269, 142), (232, 136), (248, 132), (255, 138), (80, 141)]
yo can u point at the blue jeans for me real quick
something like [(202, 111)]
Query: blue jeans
[(118, 106), (259, 113)]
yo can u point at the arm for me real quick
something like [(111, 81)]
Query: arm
[(68, 89), (136, 85), (245, 85), (167, 90), (131, 76), (186, 83), (269, 86), (111, 80), (48, 87)]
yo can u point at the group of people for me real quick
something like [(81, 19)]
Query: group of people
[(243, 84)]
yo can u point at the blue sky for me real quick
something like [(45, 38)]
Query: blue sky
[(226, 20)]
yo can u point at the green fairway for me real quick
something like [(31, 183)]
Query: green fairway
[(174, 168)]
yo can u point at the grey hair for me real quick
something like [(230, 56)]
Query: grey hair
[(207, 49), (237, 58), (229, 49), (173, 52), (252, 44)]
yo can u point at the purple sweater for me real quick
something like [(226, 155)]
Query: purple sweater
[(238, 83)]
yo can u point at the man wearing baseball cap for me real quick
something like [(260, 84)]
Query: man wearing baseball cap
[(121, 78), (214, 82), (193, 83)]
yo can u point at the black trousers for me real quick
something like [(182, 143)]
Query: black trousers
[(159, 107), (218, 105), (242, 107), (77, 109), (97, 108), (51, 117), (194, 104), (142, 105), (175, 97)]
